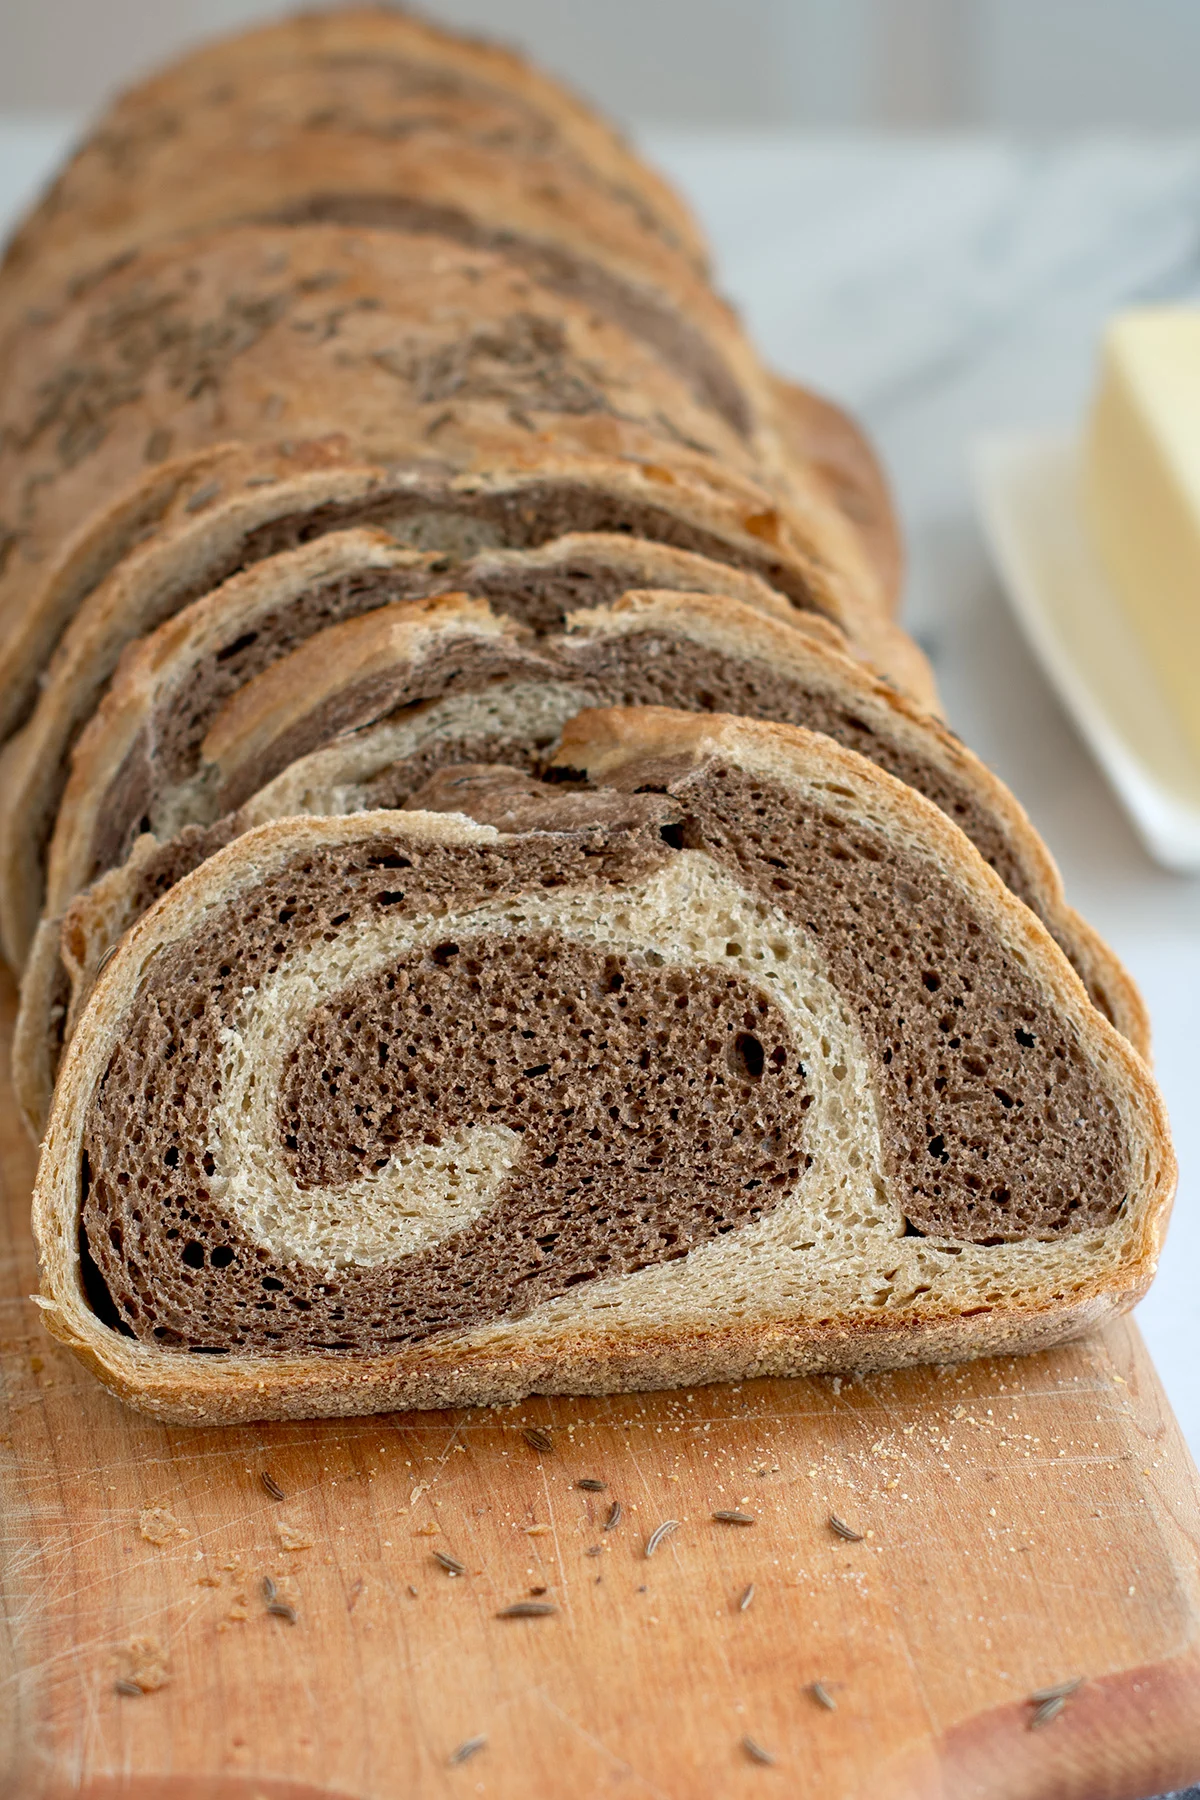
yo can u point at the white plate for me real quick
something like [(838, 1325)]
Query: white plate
[(1029, 497)]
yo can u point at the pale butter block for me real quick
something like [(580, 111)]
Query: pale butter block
[(1142, 490)]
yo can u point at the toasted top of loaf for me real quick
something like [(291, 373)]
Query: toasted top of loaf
[(811, 918)]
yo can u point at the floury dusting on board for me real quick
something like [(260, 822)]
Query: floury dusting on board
[(499, 910)]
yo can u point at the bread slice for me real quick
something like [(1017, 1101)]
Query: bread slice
[(416, 348), (185, 529), (743, 1063), (169, 766)]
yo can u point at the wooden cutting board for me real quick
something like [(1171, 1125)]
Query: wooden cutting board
[(1024, 1522)]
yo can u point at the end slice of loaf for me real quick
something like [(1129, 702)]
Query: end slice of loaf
[(724, 1053)]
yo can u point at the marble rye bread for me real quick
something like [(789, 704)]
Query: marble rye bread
[(350, 628), (724, 1054), (499, 909), (139, 763)]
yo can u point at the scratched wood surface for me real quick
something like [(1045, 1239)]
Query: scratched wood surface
[(1025, 1522)]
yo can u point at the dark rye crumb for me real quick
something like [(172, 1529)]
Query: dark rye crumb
[(466, 1750), (844, 1531), (272, 1486)]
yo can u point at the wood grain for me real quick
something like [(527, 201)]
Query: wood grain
[(1024, 1522)]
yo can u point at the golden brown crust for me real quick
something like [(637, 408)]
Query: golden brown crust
[(310, 121), (446, 1372), (1103, 973), (171, 1390), (298, 135), (254, 332), (38, 1038)]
